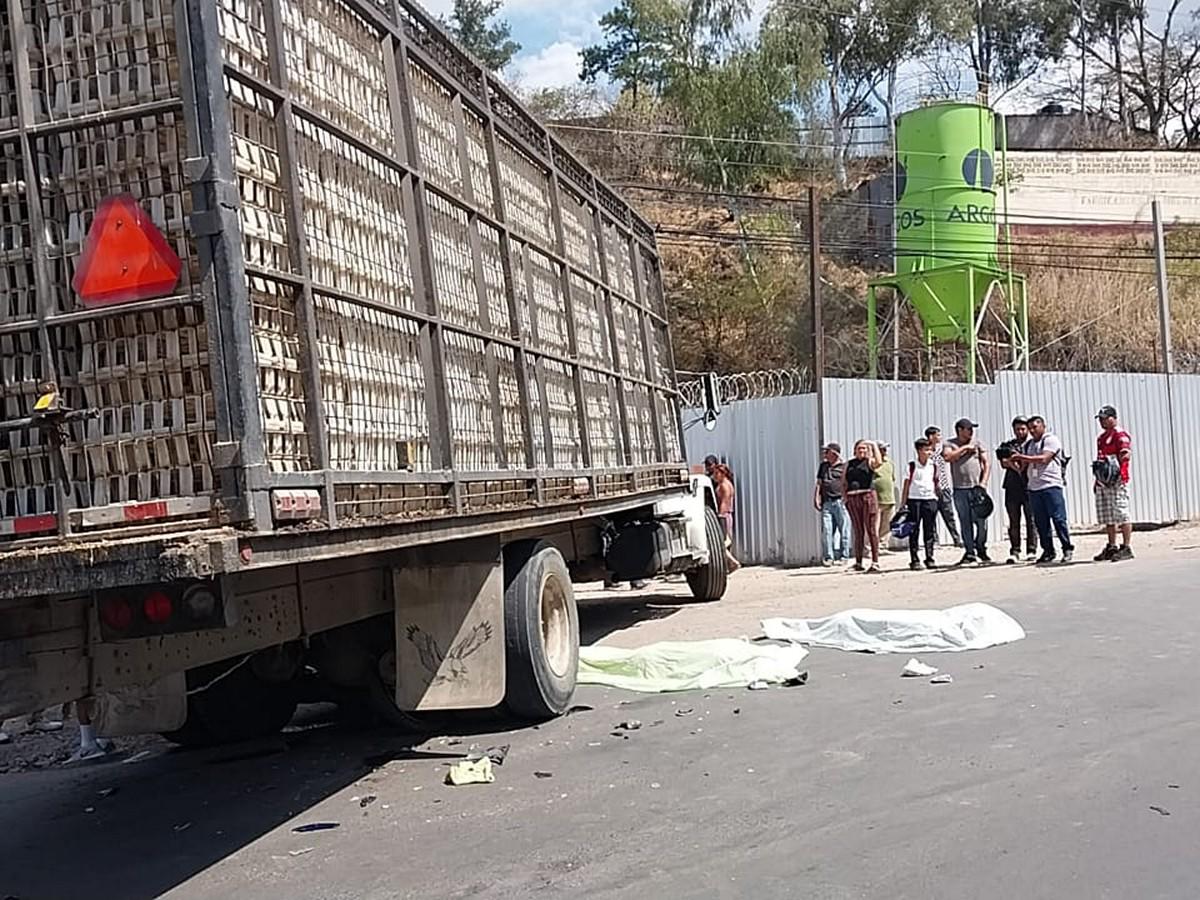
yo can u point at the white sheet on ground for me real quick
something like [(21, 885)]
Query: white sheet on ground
[(972, 626), (690, 665)]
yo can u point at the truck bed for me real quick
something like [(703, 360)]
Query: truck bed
[(401, 300)]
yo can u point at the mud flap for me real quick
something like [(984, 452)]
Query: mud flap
[(450, 627), (142, 709)]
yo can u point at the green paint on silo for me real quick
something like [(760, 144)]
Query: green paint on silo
[(945, 210)]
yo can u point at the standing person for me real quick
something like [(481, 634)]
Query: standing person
[(920, 498), (1112, 494), (710, 462), (1043, 459), (885, 491), (1016, 495), (862, 502), (827, 500), (969, 469), (723, 479), (933, 434)]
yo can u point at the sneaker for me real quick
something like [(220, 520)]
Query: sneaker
[(1123, 554), (858, 567), (1045, 559), (1106, 555), (1068, 556), (827, 563), (968, 560), (984, 559), (874, 569), (915, 566), (639, 585), (930, 564), (1031, 556), (1012, 560)]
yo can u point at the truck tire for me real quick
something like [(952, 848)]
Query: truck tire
[(237, 707), (541, 631), (708, 582)]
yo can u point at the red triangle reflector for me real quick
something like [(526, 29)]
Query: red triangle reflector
[(125, 257)]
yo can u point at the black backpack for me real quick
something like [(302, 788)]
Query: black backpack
[(1107, 470)]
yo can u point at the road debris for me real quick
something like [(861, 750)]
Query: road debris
[(301, 851), (629, 725), (182, 826), (138, 757), (496, 754), (543, 774), (757, 686), (1160, 810), (680, 713), (578, 708), (313, 826), (471, 771), (367, 801), (942, 679), (105, 793), (914, 668)]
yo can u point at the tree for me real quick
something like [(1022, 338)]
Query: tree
[(491, 42), (637, 52), (740, 119), (1006, 40)]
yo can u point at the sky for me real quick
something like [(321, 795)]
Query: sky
[(552, 33)]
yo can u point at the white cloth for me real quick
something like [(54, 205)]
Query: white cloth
[(690, 665), (923, 480), (972, 626)]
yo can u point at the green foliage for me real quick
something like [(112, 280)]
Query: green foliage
[(638, 52), (741, 108), (491, 42)]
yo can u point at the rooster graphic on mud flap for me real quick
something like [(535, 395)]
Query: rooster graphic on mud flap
[(433, 658)]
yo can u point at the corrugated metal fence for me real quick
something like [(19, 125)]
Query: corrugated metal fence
[(772, 445)]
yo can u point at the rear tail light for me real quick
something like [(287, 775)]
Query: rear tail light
[(158, 608), (116, 614), (130, 613)]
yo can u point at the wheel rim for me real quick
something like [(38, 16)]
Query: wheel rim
[(555, 619)]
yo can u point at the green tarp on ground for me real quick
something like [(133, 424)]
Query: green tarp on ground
[(690, 665)]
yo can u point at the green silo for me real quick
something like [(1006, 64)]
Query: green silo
[(946, 263)]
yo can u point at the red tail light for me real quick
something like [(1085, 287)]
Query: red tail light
[(157, 608), (116, 613)]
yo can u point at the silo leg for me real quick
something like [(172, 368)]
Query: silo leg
[(872, 333)]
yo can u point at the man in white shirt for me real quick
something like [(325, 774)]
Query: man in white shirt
[(1043, 459), (933, 434)]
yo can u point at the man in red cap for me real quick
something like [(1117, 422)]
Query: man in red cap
[(1113, 453)]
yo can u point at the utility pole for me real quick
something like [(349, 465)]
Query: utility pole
[(818, 336), (1164, 330), (1164, 301)]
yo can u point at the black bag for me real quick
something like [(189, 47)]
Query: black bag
[(1107, 470), (981, 503)]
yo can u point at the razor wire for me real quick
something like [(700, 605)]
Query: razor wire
[(761, 385)]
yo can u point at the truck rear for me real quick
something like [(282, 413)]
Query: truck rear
[(319, 355)]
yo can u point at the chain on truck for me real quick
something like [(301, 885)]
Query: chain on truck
[(323, 363)]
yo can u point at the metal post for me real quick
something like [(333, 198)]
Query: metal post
[(1164, 302), (814, 272), (973, 334), (872, 333), (895, 335), (1164, 326)]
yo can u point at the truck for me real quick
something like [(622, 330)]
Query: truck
[(324, 362)]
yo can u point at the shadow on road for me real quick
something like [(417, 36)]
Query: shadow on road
[(601, 616), (136, 830)]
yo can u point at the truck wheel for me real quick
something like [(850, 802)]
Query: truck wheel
[(238, 707), (708, 582), (541, 631)]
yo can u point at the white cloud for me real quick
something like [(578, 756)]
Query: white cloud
[(552, 66)]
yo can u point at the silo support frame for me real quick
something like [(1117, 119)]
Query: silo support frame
[(982, 283)]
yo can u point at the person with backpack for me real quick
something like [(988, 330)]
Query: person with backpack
[(1111, 468), (920, 498), (1044, 462)]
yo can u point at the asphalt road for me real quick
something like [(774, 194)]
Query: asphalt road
[(1064, 766)]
